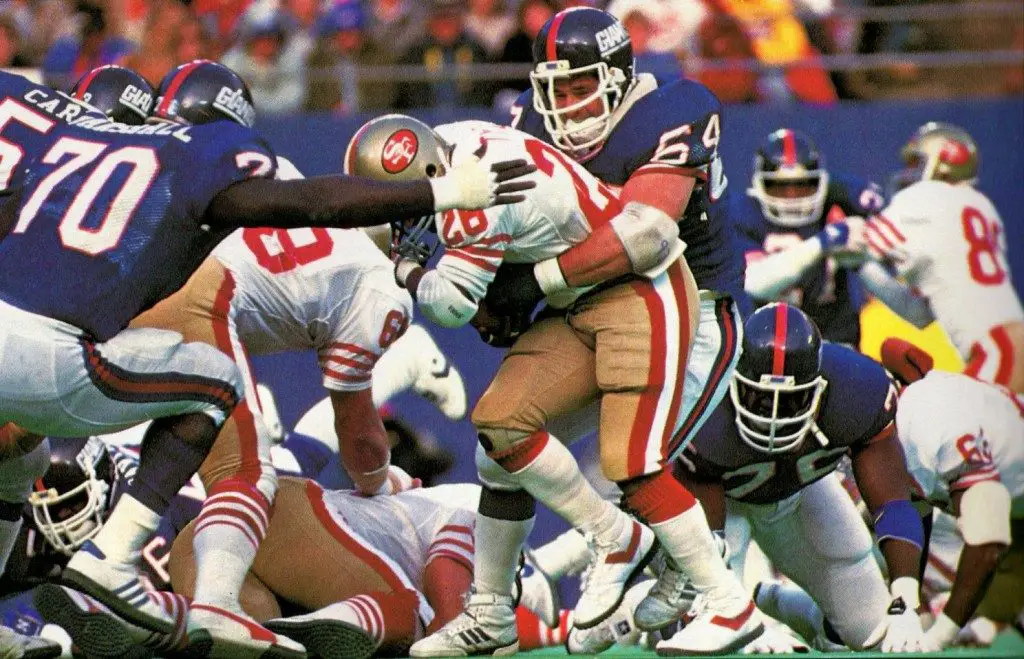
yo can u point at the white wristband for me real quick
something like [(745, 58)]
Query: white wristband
[(404, 268), (447, 194), (909, 589), (549, 276)]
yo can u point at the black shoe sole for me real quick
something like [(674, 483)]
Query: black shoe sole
[(96, 634), (328, 639), (82, 583), (637, 571), (202, 644)]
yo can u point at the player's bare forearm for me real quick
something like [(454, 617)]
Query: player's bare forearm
[(15, 441), (974, 572), (328, 201), (598, 258), (445, 581), (362, 441), (881, 475), (602, 256)]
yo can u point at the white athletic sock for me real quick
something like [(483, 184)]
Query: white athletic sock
[(8, 536), (568, 554), (554, 478), (792, 606), (497, 548), (127, 529), (687, 539), (228, 531)]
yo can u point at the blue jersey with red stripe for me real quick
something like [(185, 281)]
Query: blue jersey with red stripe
[(675, 127), (104, 219), (831, 296), (859, 404)]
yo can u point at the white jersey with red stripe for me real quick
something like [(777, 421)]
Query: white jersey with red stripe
[(330, 290), (948, 242), (957, 431), (567, 204), (413, 527)]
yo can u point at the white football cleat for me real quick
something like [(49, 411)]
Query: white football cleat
[(222, 634), (486, 627), (117, 586), (669, 599), (333, 632), (614, 567), (18, 646), (618, 628), (437, 379), (538, 592), (709, 631)]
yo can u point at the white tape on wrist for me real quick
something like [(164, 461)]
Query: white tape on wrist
[(944, 630), (909, 589), (549, 276)]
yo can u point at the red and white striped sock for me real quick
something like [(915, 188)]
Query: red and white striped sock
[(228, 531), (390, 618), (533, 633)]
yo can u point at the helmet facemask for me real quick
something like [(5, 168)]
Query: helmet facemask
[(775, 413), (67, 519), (577, 137), (791, 211)]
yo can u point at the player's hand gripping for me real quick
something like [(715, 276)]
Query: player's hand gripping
[(469, 185), (845, 242), (900, 630)]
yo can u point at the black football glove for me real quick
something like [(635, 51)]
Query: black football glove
[(514, 290)]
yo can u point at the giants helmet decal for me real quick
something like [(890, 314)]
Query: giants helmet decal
[(120, 93), (396, 147), (399, 151), (790, 180), (777, 386), (202, 91), (575, 42)]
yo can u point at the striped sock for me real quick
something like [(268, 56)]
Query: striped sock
[(228, 531), (390, 618)]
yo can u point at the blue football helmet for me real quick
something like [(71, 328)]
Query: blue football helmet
[(121, 94), (777, 386), (790, 180), (202, 91)]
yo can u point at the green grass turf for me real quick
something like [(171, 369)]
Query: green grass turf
[(1007, 644)]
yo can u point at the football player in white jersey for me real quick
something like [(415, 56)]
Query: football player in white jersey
[(963, 444), (606, 345), (946, 239)]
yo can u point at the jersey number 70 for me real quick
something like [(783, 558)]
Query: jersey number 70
[(72, 155)]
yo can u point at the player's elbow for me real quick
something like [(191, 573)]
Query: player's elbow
[(647, 234), (444, 303)]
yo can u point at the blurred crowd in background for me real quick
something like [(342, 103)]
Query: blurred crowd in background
[(365, 55)]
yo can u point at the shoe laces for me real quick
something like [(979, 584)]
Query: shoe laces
[(599, 551), (671, 585)]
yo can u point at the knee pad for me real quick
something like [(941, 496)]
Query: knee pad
[(491, 473), (17, 475)]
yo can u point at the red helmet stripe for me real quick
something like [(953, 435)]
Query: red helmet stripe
[(779, 347), (788, 149), (84, 87), (556, 23), (176, 81)]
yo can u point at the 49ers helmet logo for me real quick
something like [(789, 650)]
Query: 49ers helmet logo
[(399, 151)]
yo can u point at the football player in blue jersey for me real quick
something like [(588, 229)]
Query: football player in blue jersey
[(797, 406), (105, 220), (789, 232), (659, 146)]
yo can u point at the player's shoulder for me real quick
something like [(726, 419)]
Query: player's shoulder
[(854, 193), (679, 103), (919, 199), (940, 394), (858, 389)]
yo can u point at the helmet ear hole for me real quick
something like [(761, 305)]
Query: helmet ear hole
[(431, 170)]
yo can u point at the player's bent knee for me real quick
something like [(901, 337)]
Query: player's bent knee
[(497, 439), (492, 474)]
